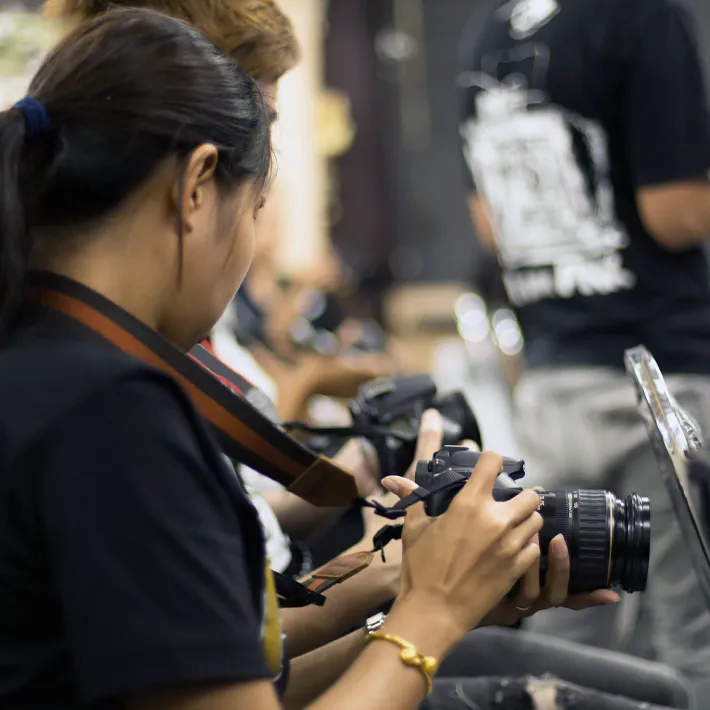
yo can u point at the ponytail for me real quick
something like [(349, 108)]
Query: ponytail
[(14, 241)]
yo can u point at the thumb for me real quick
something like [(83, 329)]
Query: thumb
[(398, 485)]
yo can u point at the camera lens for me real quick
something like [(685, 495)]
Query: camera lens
[(609, 539)]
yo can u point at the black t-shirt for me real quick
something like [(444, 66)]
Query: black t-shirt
[(130, 555), (568, 106)]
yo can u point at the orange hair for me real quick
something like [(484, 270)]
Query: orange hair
[(255, 32)]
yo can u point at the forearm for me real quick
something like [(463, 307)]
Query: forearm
[(298, 518), (313, 673), (348, 604), (676, 215), (292, 403), (378, 670), (483, 223)]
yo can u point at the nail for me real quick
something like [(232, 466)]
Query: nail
[(392, 484), (560, 548)]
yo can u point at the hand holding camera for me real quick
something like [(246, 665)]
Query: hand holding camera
[(528, 595), (467, 560)]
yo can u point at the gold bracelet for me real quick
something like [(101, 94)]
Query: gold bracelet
[(426, 665)]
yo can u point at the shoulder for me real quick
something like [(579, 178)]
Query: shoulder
[(51, 385)]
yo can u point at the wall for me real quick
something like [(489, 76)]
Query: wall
[(300, 185)]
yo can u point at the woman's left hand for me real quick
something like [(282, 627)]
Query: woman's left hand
[(528, 598)]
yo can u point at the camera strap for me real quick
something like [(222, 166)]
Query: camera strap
[(244, 432)]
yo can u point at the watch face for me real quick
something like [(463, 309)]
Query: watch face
[(683, 463)]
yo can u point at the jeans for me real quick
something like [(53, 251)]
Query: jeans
[(580, 428), (509, 670)]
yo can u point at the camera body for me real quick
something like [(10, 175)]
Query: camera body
[(608, 538), (396, 405)]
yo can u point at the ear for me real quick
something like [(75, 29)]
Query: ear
[(188, 191)]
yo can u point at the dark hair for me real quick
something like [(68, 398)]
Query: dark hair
[(122, 93)]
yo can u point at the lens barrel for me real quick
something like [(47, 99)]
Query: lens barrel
[(608, 538)]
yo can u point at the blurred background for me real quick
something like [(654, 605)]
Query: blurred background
[(370, 179)]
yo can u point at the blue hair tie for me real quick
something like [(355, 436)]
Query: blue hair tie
[(36, 117)]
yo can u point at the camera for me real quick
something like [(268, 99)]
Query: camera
[(608, 539), (388, 412)]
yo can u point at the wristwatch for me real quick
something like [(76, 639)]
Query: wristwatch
[(375, 623)]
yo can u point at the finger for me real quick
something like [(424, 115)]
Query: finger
[(521, 534), (399, 485), (557, 579), (528, 557), (471, 445), (482, 479), (429, 440), (416, 516), (522, 506), (529, 587), (601, 597)]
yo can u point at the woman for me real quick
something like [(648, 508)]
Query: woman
[(131, 562)]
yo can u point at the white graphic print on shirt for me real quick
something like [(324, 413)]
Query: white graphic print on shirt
[(544, 173)]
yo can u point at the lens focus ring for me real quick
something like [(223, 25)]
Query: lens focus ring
[(592, 555)]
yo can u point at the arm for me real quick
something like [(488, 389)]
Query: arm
[(482, 223), (300, 519), (667, 128), (314, 672), (348, 603), (297, 517)]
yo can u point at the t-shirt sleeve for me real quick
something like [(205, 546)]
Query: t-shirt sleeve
[(146, 547), (667, 126)]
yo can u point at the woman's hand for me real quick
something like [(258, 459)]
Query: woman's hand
[(466, 560), (528, 599)]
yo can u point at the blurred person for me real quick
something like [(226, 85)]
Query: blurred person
[(587, 143), (132, 565)]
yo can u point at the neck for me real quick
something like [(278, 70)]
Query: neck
[(124, 276)]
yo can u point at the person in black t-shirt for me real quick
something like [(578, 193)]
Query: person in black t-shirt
[(132, 565), (586, 139)]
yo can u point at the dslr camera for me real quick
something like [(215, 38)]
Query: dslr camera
[(608, 538), (388, 412)]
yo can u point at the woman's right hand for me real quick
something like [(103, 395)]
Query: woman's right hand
[(466, 560)]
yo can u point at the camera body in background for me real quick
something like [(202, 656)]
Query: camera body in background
[(394, 407), (608, 538)]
